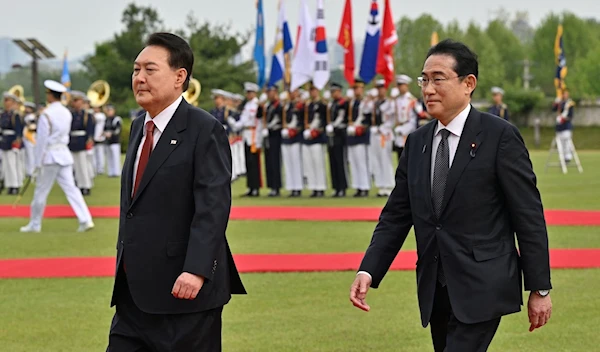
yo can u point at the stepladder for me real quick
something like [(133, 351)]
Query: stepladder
[(563, 147)]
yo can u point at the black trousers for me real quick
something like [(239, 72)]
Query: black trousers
[(133, 330), (337, 167), (398, 151), (450, 335), (273, 160), (253, 179)]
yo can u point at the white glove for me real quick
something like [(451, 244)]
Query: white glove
[(398, 130), (351, 130), (265, 132), (285, 133), (307, 135), (374, 130), (329, 129)]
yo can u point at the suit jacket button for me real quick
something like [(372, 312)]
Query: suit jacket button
[(438, 227), (129, 215), (435, 258)]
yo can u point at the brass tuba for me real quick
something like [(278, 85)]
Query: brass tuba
[(19, 92), (98, 93), (192, 94)]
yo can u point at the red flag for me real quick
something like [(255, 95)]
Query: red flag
[(389, 38), (347, 42)]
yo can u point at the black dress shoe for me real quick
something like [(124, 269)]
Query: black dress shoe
[(273, 193)]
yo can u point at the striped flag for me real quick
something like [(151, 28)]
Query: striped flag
[(561, 62), (65, 77), (280, 64), (389, 38), (346, 40), (304, 52)]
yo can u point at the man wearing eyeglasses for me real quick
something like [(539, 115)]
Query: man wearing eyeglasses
[(466, 184)]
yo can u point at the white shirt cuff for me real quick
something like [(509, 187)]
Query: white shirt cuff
[(366, 273)]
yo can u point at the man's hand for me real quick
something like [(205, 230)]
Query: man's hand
[(358, 291), (187, 286), (539, 309)]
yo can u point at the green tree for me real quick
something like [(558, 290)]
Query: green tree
[(414, 39), (113, 59), (510, 49), (491, 68), (22, 76)]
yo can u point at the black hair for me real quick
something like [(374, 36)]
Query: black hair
[(466, 59), (180, 52)]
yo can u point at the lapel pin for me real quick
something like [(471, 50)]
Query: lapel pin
[(173, 141), (473, 148)]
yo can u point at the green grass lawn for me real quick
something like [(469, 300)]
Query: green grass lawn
[(292, 311), (570, 191)]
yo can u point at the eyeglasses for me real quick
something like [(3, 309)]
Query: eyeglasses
[(423, 82)]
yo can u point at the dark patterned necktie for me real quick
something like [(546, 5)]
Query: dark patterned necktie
[(440, 173)]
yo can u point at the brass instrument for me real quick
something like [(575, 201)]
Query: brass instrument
[(192, 94), (98, 93), (19, 92)]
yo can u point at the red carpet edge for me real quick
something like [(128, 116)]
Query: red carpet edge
[(297, 213), (258, 263)]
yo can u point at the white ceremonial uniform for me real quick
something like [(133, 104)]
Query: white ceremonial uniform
[(114, 150), (380, 149), (406, 118), (29, 143), (291, 153), (54, 161), (358, 155), (99, 145)]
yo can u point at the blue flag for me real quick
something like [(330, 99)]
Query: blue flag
[(368, 62), (65, 78), (259, 46)]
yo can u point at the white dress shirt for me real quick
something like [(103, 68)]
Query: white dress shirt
[(455, 127), (160, 121)]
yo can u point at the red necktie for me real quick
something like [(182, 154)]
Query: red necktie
[(146, 151)]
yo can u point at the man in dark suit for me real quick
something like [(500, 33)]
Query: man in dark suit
[(175, 271), (466, 184)]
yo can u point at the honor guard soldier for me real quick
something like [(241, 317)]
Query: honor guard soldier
[(232, 114), (499, 108), (11, 127), (112, 134), (272, 140), (382, 140), (564, 126), (82, 133), (30, 121), (100, 145), (222, 112), (406, 116), (315, 140), (336, 131), (219, 111), (358, 138), (54, 161), (250, 123), (291, 148)]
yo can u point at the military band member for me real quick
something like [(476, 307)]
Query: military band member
[(11, 126), (314, 142), (30, 122), (112, 134), (499, 108), (406, 116), (336, 132), (82, 134), (232, 113), (251, 124), (54, 161), (89, 152), (422, 114), (291, 142), (382, 140), (564, 125), (100, 152), (358, 138), (272, 140)]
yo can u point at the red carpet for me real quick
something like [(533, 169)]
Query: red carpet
[(553, 217), (257, 263)]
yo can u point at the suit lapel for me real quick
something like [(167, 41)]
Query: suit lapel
[(164, 147), (469, 136), (135, 140), (426, 161)]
